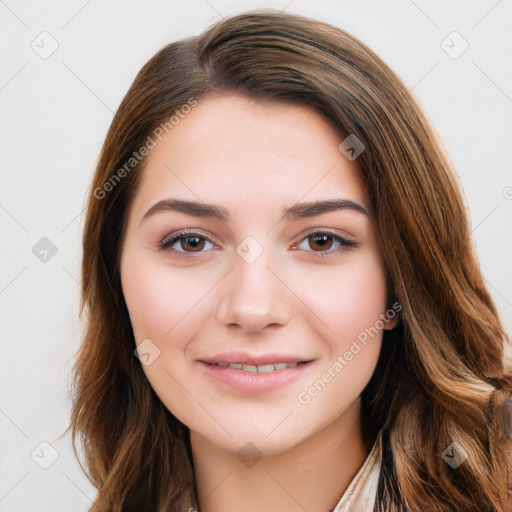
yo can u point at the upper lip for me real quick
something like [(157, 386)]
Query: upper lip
[(255, 360)]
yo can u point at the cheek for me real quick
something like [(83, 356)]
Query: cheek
[(165, 307), (347, 299), (160, 300), (146, 299), (350, 302)]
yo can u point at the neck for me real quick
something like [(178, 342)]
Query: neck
[(313, 475)]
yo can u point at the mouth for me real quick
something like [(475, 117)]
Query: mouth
[(262, 374), (262, 368)]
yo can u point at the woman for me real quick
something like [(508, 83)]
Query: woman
[(275, 233)]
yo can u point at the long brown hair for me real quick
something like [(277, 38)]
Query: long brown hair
[(441, 372)]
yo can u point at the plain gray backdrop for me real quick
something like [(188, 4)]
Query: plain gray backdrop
[(64, 68)]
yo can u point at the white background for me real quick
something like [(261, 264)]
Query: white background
[(55, 113)]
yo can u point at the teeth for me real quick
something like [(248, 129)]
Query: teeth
[(267, 368), (264, 368)]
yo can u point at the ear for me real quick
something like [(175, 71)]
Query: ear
[(390, 323), (392, 313), (391, 316)]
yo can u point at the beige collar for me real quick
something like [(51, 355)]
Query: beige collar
[(362, 491)]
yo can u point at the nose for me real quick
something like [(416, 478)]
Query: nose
[(254, 297)]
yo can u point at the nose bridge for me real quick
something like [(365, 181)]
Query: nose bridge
[(253, 297)]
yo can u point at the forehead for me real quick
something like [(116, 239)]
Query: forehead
[(239, 151)]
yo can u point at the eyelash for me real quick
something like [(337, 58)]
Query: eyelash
[(167, 243)]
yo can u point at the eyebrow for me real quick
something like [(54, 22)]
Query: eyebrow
[(294, 212)]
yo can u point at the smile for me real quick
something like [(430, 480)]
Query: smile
[(250, 378)]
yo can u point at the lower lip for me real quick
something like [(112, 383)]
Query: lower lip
[(252, 382)]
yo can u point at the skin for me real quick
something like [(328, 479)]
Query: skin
[(255, 159)]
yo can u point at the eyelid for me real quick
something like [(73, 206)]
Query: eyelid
[(329, 231), (344, 240), (176, 235)]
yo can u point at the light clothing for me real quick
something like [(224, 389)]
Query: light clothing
[(361, 494)]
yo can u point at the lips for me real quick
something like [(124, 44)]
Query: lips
[(251, 378)]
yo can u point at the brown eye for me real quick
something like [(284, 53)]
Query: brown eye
[(192, 243), (320, 241)]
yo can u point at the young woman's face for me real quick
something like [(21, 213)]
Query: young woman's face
[(260, 279)]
